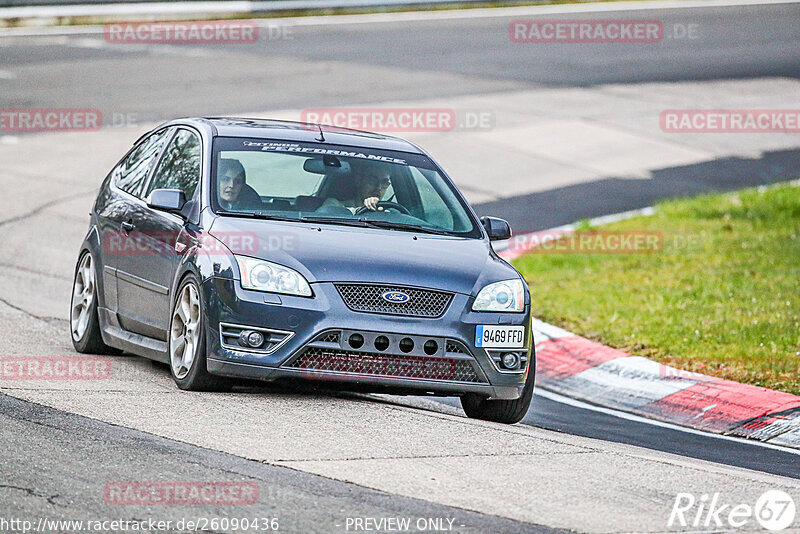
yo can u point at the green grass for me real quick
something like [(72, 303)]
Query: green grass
[(722, 297)]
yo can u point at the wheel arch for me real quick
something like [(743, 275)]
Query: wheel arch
[(185, 270), (91, 243)]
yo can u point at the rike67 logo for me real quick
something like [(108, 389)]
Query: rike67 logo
[(775, 510)]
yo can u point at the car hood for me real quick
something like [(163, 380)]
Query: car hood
[(333, 253)]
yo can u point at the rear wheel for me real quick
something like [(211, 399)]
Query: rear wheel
[(502, 411), (187, 346), (83, 320)]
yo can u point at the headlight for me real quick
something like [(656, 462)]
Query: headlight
[(507, 295), (267, 276)]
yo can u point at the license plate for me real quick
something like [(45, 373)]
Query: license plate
[(499, 337)]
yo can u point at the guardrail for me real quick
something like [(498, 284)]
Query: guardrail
[(221, 5), (11, 10)]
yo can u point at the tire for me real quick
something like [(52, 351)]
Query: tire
[(187, 341), (502, 411), (84, 322)]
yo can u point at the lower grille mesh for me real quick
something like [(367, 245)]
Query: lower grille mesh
[(374, 364)]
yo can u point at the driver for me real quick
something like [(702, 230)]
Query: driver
[(373, 185), (366, 188)]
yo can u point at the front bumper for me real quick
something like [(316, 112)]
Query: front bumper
[(311, 351)]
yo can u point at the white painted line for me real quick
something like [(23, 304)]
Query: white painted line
[(544, 331), (555, 397), (368, 18), (7, 75), (617, 217)]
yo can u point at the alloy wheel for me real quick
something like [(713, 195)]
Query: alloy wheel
[(184, 331)]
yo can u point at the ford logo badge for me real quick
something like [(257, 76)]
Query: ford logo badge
[(397, 297)]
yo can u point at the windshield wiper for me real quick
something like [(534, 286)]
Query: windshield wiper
[(404, 226), (257, 215), (338, 220), (374, 223)]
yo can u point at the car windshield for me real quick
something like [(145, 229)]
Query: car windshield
[(335, 184)]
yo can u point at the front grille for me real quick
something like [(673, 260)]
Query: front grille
[(330, 337), (369, 298), (455, 348), (385, 365)]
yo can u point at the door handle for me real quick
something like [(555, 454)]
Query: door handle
[(128, 226)]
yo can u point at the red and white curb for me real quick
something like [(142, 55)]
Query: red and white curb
[(582, 369)]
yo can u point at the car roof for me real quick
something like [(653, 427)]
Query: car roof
[(299, 131)]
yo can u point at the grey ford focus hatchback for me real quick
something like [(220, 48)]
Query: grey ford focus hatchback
[(245, 248)]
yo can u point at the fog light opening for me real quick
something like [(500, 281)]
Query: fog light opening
[(356, 341), (510, 360), (251, 338), (406, 344), (381, 343), (430, 347)]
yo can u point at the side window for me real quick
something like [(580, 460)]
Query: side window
[(436, 211), (180, 166), (132, 172)]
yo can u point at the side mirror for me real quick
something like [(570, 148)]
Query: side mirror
[(498, 229), (167, 200)]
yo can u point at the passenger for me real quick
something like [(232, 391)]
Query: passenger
[(234, 193)]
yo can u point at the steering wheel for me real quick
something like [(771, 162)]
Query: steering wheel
[(385, 204)]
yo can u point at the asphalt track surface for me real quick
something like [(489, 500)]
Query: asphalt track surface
[(561, 417), (301, 502), (389, 61), (336, 66), (318, 66)]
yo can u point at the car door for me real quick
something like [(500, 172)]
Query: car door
[(145, 278), (118, 196)]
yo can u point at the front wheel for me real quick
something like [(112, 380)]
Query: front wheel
[(187, 346), (84, 324), (502, 411)]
